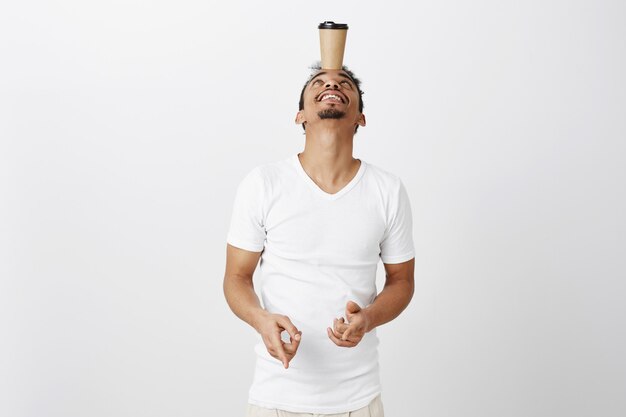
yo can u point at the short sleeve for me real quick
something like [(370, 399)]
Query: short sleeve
[(396, 245), (247, 223)]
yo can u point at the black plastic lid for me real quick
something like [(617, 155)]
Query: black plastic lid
[(332, 25)]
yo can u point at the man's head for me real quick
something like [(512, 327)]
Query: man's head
[(317, 101)]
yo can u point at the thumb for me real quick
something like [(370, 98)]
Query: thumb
[(352, 307)]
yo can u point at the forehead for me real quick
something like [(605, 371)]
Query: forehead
[(340, 73)]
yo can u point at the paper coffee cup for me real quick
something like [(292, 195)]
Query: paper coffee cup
[(332, 44)]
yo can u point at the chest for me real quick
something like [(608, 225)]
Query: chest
[(346, 231)]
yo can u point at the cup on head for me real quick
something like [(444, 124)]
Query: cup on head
[(332, 44)]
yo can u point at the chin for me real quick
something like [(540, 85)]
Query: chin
[(331, 114)]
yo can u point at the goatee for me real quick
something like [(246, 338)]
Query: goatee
[(331, 113)]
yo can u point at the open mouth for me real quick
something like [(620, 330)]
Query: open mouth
[(331, 98)]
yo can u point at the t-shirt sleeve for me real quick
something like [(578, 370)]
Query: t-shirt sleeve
[(397, 243), (247, 223)]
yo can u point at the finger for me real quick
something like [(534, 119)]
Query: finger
[(347, 333), (286, 324), (337, 341), (337, 335), (292, 347), (278, 343), (339, 326)]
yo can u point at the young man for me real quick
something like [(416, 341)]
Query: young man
[(320, 221)]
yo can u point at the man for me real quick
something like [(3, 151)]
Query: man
[(320, 221)]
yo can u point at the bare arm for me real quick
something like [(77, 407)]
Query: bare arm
[(243, 301), (238, 286), (395, 296)]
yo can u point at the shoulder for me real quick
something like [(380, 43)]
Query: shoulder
[(252, 178), (272, 171), (268, 175), (387, 181)]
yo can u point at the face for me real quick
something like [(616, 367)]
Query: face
[(331, 94)]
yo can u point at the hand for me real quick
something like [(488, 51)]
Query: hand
[(270, 326), (349, 334)]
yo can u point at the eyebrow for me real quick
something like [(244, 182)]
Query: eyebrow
[(341, 74)]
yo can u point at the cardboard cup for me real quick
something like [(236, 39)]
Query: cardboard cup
[(332, 44)]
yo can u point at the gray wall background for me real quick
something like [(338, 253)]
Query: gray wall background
[(125, 127)]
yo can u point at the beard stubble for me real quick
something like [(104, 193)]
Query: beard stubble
[(331, 113)]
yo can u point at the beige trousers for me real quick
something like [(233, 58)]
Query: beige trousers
[(373, 409)]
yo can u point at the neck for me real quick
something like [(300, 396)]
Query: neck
[(327, 155)]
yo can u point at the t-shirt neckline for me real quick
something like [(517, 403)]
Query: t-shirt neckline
[(321, 192)]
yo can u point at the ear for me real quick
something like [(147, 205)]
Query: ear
[(300, 117), (361, 120)]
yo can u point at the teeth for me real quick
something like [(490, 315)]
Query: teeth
[(331, 96)]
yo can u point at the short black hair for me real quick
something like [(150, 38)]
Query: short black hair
[(314, 70)]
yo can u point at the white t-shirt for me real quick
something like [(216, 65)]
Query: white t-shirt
[(320, 250)]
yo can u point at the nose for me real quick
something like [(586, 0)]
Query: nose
[(332, 84)]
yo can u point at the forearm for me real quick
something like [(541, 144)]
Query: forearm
[(242, 300), (388, 305)]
